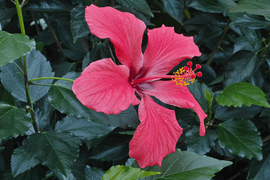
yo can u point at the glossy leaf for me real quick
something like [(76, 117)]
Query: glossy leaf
[(99, 51), (200, 144), (83, 129), (139, 5), (6, 15), (78, 25), (224, 112), (126, 173), (48, 6), (183, 165), (258, 7), (35, 173), (112, 148), (62, 27), (241, 66), (243, 93), (22, 161), (92, 173), (241, 137), (56, 150), (250, 21), (13, 121), (37, 66), (198, 91), (218, 6), (61, 68), (13, 46), (175, 9), (259, 169)]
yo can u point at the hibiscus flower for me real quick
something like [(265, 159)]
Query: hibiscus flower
[(109, 88)]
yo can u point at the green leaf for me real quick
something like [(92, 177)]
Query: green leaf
[(241, 66), (92, 173), (183, 165), (99, 51), (13, 121), (6, 97), (22, 161), (112, 148), (175, 9), (6, 15), (35, 173), (250, 21), (208, 96), (37, 66), (84, 129), (251, 41), (64, 100), (198, 91), (56, 150), (259, 169), (139, 5), (243, 93), (241, 137), (78, 25), (224, 112), (265, 112), (217, 6), (48, 6), (200, 144), (62, 26), (61, 68), (257, 7), (13, 46), (126, 173)]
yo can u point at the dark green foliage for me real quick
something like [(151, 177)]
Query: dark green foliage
[(78, 143)]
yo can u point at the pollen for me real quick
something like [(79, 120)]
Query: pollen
[(185, 75)]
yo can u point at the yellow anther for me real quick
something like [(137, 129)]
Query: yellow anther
[(185, 75)]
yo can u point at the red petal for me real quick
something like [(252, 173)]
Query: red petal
[(157, 134), (180, 96), (124, 30), (104, 87), (166, 49)]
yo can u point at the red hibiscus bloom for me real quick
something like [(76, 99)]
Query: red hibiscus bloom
[(109, 88)]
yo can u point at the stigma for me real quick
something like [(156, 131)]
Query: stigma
[(186, 75)]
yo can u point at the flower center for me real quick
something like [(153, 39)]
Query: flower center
[(185, 75)]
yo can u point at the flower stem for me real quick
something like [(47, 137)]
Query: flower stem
[(217, 46), (58, 78), (19, 11), (27, 90)]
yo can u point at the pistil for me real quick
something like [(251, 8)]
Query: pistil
[(135, 82)]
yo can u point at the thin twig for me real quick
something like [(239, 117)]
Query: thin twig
[(35, 19), (239, 173), (267, 138), (217, 46), (54, 36), (265, 49)]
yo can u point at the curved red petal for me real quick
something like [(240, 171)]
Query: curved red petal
[(157, 134), (124, 30), (166, 49), (179, 96), (104, 87)]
